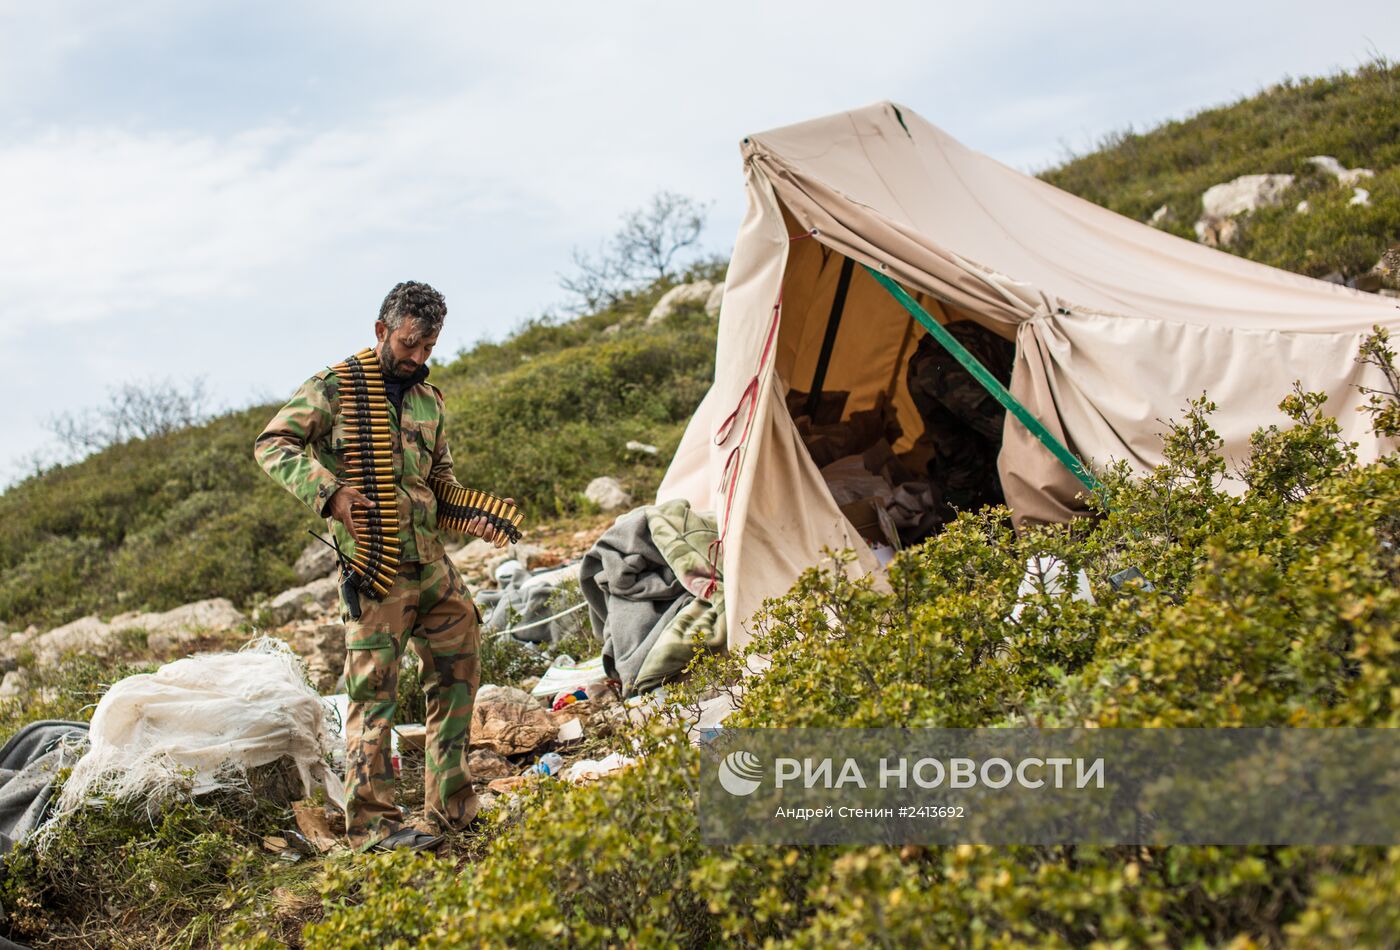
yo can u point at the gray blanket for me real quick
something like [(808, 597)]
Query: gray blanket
[(28, 763), (647, 584), (523, 602), (632, 595)]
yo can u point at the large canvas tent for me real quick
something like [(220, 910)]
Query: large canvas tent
[(1116, 326)]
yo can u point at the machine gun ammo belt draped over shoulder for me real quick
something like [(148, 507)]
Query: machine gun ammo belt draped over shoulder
[(369, 459), (369, 468)]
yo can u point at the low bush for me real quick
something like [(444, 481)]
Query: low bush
[(1278, 607)]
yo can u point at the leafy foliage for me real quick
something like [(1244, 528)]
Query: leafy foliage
[(1276, 608)]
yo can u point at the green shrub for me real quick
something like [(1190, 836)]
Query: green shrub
[(1276, 608), (155, 881), (545, 428)]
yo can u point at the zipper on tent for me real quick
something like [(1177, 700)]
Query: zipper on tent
[(989, 382), (833, 323)]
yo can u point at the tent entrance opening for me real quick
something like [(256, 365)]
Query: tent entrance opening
[(903, 435)]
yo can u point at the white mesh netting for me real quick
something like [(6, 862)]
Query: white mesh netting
[(198, 725)]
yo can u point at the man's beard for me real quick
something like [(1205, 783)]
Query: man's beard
[(387, 365)]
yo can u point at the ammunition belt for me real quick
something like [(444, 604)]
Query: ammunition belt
[(369, 461), (458, 507)]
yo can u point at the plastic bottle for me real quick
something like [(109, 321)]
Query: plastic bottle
[(551, 763)]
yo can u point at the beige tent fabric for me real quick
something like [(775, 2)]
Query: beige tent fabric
[(1117, 325)]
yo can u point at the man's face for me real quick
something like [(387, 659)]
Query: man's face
[(402, 351)]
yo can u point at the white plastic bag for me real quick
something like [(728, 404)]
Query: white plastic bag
[(199, 724)]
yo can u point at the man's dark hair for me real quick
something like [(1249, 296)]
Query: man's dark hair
[(412, 300)]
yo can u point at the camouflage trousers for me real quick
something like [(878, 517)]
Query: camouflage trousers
[(427, 608)]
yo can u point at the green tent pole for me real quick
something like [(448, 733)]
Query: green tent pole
[(989, 382)]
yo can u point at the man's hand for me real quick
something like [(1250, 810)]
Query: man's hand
[(343, 502), (482, 528)]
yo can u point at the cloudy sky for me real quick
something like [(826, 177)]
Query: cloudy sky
[(227, 190)]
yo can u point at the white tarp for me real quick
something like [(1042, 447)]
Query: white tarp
[(198, 724)]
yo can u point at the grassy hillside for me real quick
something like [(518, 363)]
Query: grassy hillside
[(1277, 608), (1354, 118), (151, 524)]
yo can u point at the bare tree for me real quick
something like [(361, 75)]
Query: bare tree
[(651, 237), (132, 411), (649, 246), (597, 282)]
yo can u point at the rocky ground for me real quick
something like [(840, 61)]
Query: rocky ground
[(511, 728)]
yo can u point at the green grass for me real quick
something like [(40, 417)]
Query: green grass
[(1352, 117), (152, 524)]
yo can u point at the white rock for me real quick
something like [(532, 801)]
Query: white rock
[(607, 493), (10, 647), (679, 296), (635, 446), (1360, 198), (612, 329), (301, 602), (84, 635), (1161, 216), (1344, 176), (1244, 194), (713, 302), (317, 560), (16, 683), (1217, 232), (485, 765), (1303, 207), (475, 554), (185, 623)]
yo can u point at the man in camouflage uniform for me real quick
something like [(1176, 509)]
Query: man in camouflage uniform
[(962, 419), (303, 448)]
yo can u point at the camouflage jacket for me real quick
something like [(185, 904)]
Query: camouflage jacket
[(303, 449)]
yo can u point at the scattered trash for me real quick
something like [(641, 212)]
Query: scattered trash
[(312, 822), (642, 447), (590, 769), (275, 844), (566, 673), (505, 571), (1128, 575), (509, 721), (551, 763), (527, 606), (413, 735), (297, 842), (570, 731), (508, 784), (1046, 575), (486, 765), (578, 694)]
